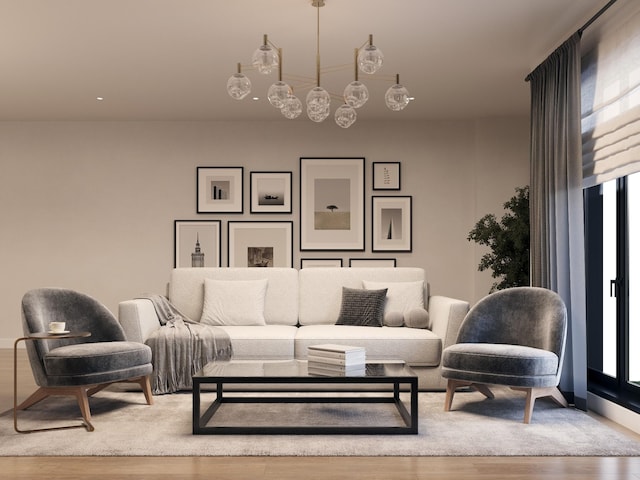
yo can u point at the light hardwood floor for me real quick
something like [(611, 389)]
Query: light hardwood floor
[(285, 468)]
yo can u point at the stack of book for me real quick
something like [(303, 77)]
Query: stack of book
[(336, 360)]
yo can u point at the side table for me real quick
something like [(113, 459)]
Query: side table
[(33, 337)]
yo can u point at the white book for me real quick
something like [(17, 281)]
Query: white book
[(313, 370), (334, 350), (354, 360), (336, 368)]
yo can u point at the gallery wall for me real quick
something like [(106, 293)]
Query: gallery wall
[(91, 205)]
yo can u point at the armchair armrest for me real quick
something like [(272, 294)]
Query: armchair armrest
[(138, 319)]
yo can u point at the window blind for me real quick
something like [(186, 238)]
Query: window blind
[(610, 90)]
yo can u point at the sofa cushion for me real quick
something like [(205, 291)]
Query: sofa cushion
[(362, 307), (417, 347), (402, 297), (417, 318), (186, 290), (267, 342), (91, 358), (321, 288), (237, 302)]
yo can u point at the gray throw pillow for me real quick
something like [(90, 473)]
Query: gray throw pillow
[(362, 307)]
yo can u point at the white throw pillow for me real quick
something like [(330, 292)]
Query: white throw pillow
[(234, 302), (401, 296)]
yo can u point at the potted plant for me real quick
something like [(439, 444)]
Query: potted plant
[(508, 240)]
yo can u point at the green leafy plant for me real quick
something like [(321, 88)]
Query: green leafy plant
[(508, 240)]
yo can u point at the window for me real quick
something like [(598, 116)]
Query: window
[(612, 212)]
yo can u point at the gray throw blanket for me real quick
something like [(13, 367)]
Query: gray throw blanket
[(181, 347)]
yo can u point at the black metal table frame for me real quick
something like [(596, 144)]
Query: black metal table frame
[(410, 417)]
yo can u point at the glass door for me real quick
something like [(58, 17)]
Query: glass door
[(612, 226)]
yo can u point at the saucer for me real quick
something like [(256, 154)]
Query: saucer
[(62, 332)]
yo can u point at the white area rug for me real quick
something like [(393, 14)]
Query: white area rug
[(126, 426)]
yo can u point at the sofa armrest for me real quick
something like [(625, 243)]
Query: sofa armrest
[(446, 315), (138, 319)]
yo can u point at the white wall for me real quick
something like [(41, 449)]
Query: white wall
[(91, 205)]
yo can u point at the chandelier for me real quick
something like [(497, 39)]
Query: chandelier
[(368, 59)]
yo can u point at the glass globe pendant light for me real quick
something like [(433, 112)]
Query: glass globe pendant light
[(370, 58), (279, 91), (397, 96), (265, 58), (345, 116), (238, 85), (356, 93), (292, 107)]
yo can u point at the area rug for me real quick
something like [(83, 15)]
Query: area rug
[(126, 426)]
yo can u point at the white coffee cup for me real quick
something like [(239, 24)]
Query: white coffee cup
[(57, 327)]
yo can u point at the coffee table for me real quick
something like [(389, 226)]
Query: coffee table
[(221, 374)]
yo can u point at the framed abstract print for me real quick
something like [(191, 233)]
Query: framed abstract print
[(219, 190), (391, 224)]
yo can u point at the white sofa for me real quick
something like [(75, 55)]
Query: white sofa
[(301, 308)]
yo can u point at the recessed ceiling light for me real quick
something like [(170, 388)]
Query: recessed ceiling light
[(99, 98), (255, 99)]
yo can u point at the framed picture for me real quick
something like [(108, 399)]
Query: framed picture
[(196, 243), (220, 189), (372, 262), (270, 192), (386, 175), (320, 262), (332, 204), (391, 224), (260, 244)]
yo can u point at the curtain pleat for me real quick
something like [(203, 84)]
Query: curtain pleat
[(556, 208)]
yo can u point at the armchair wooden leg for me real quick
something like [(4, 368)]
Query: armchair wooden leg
[(146, 388), (535, 393)]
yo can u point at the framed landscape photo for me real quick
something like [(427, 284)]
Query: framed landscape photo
[(219, 189), (386, 175), (372, 262), (320, 262), (196, 243), (332, 204), (260, 244), (270, 192), (391, 224)]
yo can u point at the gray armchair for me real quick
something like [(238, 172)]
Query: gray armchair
[(514, 337), (80, 366)]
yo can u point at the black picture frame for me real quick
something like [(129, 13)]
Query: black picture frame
[(194, 241), (260, 243), (386, 176), (219, 189), (391, 223), (338, 185), (270, 192)]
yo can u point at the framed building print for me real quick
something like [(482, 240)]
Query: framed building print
[(219, 189), (270, 192), (332, 204), (320, 262), (196, 243), (260, 244), (391, 224), (386, 175), (372, 262)]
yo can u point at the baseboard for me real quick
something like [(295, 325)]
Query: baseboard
[(614, 412)]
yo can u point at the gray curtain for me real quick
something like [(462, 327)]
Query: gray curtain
[(557, 224)]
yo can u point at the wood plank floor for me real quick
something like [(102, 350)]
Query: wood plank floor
[(285, 468)]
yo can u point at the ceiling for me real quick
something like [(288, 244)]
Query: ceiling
[(170, 59)]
